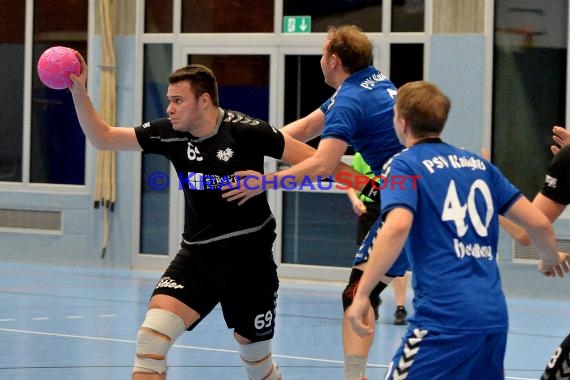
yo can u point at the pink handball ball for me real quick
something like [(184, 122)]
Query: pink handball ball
[(55, 65)]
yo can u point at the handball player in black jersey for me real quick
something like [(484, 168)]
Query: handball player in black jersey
[(552, 200), (226, 253)]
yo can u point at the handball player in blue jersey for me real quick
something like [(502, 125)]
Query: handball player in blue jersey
[(443, 203), (359, 114)]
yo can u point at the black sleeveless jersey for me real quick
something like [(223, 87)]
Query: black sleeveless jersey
[(204, 165), (557, 181)]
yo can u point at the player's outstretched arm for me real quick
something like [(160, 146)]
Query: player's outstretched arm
[(515, 231), (251, 183), (306, 128), (100, 133), (547, 206), (541, 234)]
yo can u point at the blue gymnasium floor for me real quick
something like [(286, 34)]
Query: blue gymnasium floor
[(77, 323)]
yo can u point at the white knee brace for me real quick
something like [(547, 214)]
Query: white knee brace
[(258, 362), (155, 337)]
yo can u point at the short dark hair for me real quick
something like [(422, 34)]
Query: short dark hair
[(351, 45), (424, 106), (201, 78)]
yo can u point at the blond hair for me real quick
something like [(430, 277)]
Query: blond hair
[(351, 45)]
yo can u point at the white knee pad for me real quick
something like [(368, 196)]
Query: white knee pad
[(258, 362), (164, 327), (354, 367)]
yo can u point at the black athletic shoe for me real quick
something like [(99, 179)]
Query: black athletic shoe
[(400, 315)]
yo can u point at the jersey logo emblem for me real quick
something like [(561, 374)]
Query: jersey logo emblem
[(550, 181), (225, 155), (333, 98), (167, 282)]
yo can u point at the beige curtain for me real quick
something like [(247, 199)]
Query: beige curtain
[(458, 16), (105, 194)]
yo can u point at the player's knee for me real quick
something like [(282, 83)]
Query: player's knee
[(350, 290), (155, 337), (347, 296), (258, 362)]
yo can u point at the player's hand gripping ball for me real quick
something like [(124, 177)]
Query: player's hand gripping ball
[(55, 65)]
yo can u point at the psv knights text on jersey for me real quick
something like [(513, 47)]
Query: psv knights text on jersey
[(204, 165), (456, 197), (557, 181), (360, 113)]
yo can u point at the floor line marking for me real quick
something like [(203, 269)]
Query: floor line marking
[(177, 346), (202, 348)]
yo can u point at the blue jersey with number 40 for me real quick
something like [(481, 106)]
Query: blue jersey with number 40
[(456, 197)]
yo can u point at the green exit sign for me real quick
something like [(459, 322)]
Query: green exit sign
[(297, 24)]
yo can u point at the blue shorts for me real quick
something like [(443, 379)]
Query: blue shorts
[(437, 356), (401, 265)]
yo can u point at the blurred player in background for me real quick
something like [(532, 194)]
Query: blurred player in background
[(359, 114), (368, 211)]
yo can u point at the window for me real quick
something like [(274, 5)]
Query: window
[(227, 16), (155, 169), (406, 63), (367, 14), (243, 81), (408, 15), (158, 16), (305, 89), (56, 144), (529, 87), (12, 38), (318, 229)]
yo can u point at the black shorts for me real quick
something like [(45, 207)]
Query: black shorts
[(239, 273), (367, 220)]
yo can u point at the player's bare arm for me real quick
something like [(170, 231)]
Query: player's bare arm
[(393, 235), (100, 133), (541, 234), (251, 183), (306, 128), (515, 231)]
